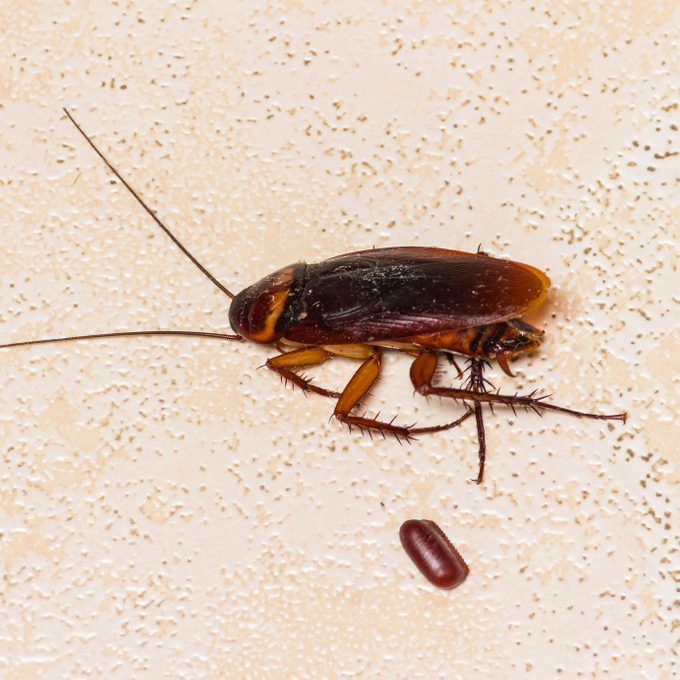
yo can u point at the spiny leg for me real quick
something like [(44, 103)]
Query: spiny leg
[(476, 383), (414, 431), (356, 389), (452, 360), (422, 372), (283, 364)]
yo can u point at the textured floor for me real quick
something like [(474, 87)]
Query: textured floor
[(166, 509)]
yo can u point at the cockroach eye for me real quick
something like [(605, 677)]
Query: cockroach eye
[(432, 552)]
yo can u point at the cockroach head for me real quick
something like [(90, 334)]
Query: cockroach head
[(256, 313)]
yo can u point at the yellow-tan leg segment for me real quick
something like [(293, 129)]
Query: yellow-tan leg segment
[(356, 389), (283, 364)]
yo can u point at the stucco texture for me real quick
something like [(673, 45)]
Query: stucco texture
[(167, 509)]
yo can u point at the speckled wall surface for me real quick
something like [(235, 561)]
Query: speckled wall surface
[(166, 509)]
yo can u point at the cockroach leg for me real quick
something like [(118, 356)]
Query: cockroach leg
[(481, 439), (414, 431), (477, 383), (283, 364), (452, 361), (357, 389), (423, 370)]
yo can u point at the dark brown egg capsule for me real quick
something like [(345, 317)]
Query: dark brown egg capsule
[(431, 551)]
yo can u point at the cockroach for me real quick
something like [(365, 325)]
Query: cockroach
[(431, 551), (425, 302)]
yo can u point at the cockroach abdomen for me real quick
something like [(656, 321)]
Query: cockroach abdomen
[(432, 552)]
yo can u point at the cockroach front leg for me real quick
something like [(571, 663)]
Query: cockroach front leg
[(423, 370), (357, 388), (283, 364)]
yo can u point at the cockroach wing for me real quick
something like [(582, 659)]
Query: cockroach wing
[(392, 293)]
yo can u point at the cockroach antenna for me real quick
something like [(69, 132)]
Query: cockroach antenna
[(141, 202), (125, 334)]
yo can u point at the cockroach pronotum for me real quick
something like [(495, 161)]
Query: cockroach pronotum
[(425, 302)]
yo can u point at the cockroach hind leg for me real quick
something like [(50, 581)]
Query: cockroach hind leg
[(476, 383), (414, 431), (481, 440), (424, 386), (540, 404)]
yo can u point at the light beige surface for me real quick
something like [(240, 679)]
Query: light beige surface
[(166, 509)]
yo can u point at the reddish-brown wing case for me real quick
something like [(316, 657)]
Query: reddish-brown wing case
[(392, 293)]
